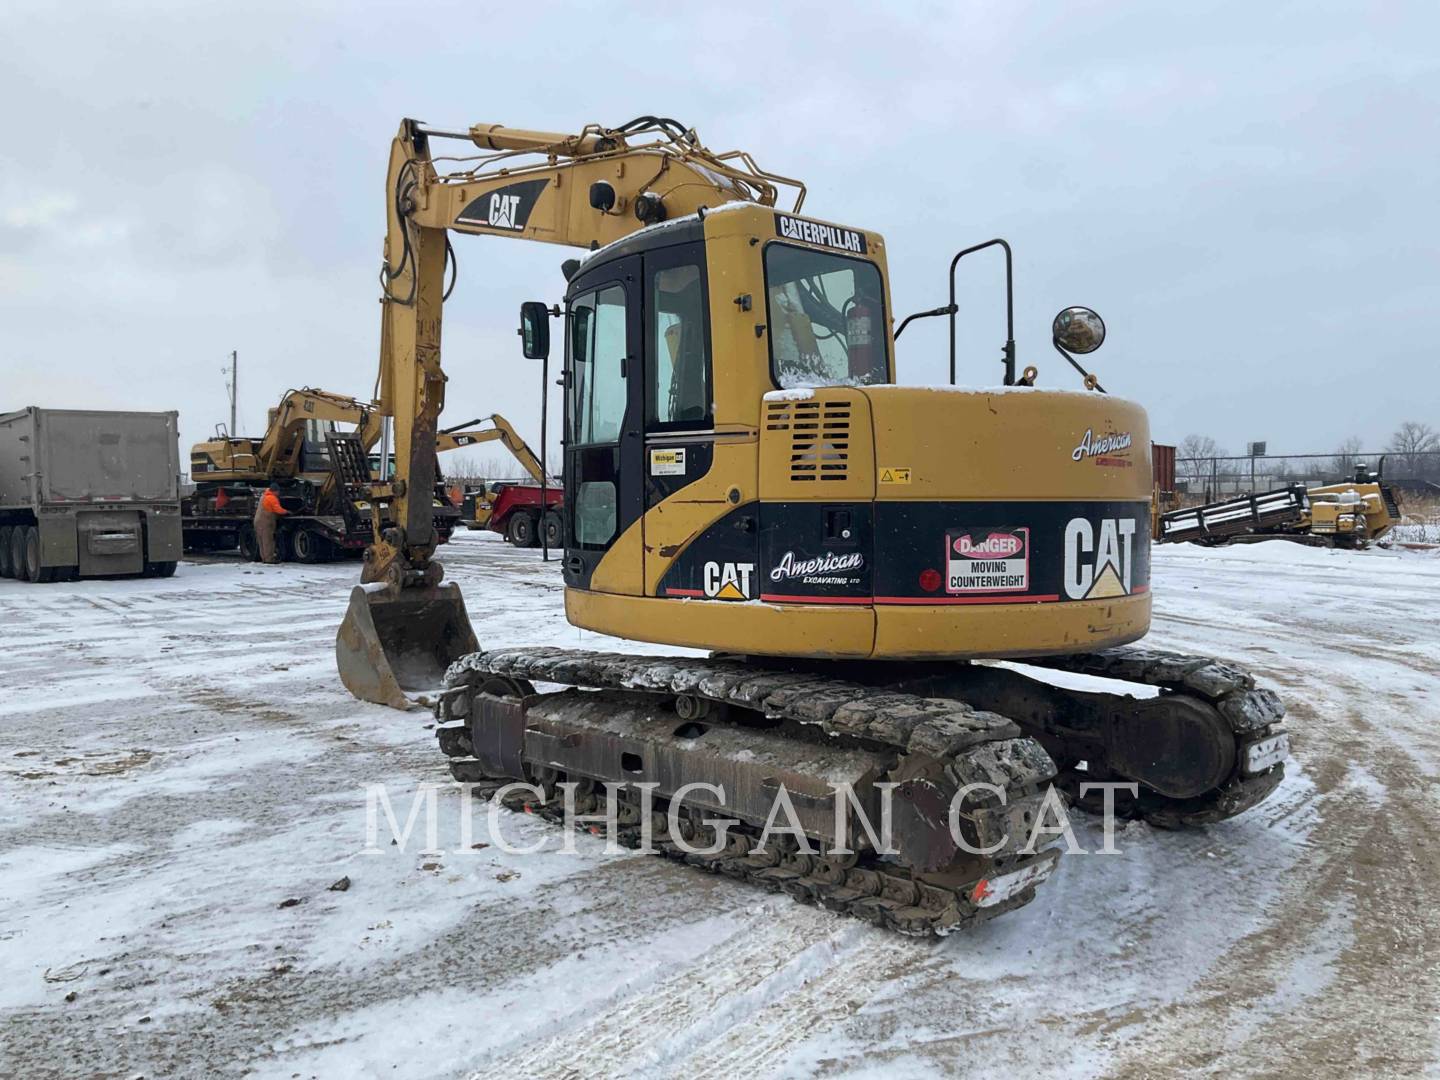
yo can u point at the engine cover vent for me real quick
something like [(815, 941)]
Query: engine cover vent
[(819, 437)]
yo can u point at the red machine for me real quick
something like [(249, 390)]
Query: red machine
[(513, 509)]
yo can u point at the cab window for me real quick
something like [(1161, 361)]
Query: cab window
[(597, 364), (678, 390), (596, 408), (826, 320)]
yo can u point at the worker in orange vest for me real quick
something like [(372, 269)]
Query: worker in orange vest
[(265, 516)]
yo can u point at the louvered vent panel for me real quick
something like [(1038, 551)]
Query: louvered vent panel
[(819, 437)]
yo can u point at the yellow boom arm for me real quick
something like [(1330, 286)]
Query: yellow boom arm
[(583, 190), (279, 453), (500, 429)]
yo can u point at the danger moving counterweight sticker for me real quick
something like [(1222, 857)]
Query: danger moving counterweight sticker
[(988, 560)]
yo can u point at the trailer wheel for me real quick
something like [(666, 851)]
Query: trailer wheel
[(17, 554), (308, 547), (160, 569), (520, 529), (554, 530), (7, 567), (249, 543), (34, 572)]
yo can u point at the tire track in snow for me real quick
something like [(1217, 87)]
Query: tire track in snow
[(851, 976), (1345, 967), (709, 988)]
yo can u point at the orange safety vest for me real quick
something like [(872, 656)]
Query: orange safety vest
[(271, 502)]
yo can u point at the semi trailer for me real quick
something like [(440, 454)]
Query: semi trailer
[(88, 493)]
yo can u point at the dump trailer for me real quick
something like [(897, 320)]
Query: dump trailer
[(88, 493), (512, 509)]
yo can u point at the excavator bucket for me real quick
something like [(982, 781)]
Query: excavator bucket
[(390, 647)]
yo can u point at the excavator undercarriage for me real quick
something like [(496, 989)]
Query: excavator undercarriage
[(754, 733), (971, 751)]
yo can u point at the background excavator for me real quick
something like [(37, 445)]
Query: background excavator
[(743, 475), (521, 512), (231, 472)]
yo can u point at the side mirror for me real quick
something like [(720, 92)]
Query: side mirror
[(1078, 330), (535, 330)]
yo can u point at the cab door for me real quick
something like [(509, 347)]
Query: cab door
[(604, 422)]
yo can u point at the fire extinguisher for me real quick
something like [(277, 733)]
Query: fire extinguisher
[(860, 339)]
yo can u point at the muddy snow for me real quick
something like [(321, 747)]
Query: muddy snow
[(184, 780)]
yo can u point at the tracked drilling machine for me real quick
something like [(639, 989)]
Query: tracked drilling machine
[(743, 476)]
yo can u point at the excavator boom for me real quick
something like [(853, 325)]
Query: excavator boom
[(500, 429), (583, 190)]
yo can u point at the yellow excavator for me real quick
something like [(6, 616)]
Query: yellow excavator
[(743, 475), (295, 454), (280, 451), (513, 509)]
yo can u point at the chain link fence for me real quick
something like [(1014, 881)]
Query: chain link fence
[(1205, 479)]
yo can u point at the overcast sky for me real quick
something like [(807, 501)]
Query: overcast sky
[(1247, 192)]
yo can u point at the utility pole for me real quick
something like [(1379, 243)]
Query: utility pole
[(233, 385)]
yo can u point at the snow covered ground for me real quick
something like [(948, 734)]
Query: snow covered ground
[(183, 778)]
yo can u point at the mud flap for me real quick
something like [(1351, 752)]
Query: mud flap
[(391, 646)]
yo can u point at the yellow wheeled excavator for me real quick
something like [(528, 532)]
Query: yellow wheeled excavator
[(743, 475), (296, 454)]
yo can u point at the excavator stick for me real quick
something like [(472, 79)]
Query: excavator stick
[(392, 646)]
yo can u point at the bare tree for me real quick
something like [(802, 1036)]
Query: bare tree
[(1343, 463), (471, 469), (1411, 443), (1199, 446), (1194, 459)]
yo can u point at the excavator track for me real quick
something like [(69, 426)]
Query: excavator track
[(1208, 747), (974, 722), (1251, 714), (933, 747)]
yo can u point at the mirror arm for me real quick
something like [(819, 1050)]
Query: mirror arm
[(948, 309), (1090, 380)]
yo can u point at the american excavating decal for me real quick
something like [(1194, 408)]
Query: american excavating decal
[(987, 561), (1099, 558), (1104, 448), (508, 208), (815, 232), (728, 581), (826, 569)]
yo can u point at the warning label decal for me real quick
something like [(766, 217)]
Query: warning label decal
[(989, 560)]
